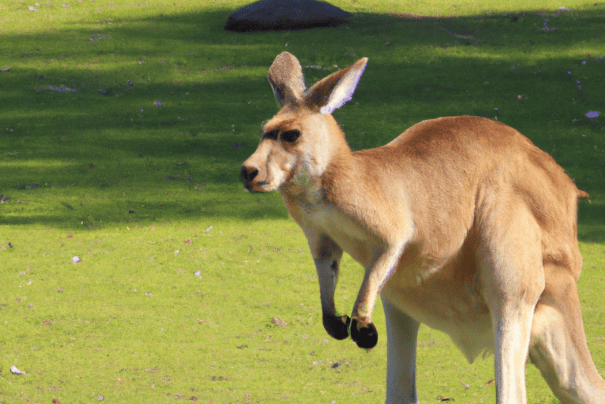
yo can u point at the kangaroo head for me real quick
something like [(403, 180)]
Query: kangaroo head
[(301, 140)]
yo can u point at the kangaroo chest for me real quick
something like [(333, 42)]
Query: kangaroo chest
[(442, 292), (350, 236)]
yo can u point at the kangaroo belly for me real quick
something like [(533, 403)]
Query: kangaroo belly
[(447, 298)]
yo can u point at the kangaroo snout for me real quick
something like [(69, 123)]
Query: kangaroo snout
[(247, 173)]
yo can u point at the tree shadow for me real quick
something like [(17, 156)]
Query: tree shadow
[(214, 96)]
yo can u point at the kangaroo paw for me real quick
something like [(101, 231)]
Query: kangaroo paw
[(365, 336), (337, 327)]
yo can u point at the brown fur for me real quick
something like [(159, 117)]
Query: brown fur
[(462, 223)]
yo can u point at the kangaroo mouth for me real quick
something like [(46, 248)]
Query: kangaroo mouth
[(259, 187)]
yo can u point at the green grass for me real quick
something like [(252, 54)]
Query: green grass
[(132, 322)]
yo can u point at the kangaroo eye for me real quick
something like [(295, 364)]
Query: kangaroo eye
[(290, 136), (271, 134)]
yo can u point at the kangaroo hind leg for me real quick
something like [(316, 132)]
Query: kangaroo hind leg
[(558, 345), (511, 273), (402, 335)]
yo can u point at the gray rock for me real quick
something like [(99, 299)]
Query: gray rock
[(277, 15)]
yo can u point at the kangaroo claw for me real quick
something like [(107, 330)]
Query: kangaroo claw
[(337, 327), (365, 336)]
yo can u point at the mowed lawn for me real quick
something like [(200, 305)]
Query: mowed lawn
[(122, 128)]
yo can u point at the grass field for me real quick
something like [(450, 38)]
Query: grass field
[(133, 167)]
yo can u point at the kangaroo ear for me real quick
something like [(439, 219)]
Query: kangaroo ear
[(286, 79), (337, 89)]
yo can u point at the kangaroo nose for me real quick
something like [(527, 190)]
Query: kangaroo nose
[(248, 174)]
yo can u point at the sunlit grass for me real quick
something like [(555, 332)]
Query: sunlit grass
[(132, 321)]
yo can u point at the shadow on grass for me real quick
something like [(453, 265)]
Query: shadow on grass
[(591, 221), (111, 151)]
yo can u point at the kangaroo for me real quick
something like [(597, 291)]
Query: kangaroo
[(461, 223)]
